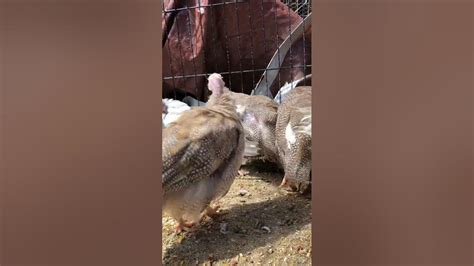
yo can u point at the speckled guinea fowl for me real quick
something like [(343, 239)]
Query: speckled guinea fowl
[(258, 115), (293, 138), (202, 152)]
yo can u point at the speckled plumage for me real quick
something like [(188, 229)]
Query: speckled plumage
[(258, 115), (293, 138), (202, 152)]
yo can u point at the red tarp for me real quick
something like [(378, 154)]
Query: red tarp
[(245, 34)]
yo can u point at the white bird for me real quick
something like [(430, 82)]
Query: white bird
[(173, 110)]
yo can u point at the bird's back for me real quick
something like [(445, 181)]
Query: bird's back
[(196, 145), (293, 131), (258, 115)]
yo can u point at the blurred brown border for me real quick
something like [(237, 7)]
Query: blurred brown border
[(81, 133), (393, 132)]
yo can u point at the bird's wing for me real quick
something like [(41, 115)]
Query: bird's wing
[(195, 147), (251, 148)]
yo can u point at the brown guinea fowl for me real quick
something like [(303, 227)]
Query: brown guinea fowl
[(202, 152), (293, 138), (258, 115)]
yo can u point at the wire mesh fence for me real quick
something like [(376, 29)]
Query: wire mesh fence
[(258, 46), (302, 7)]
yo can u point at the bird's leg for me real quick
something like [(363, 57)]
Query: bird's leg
[(284, 183), (182, 224), (212, 212)]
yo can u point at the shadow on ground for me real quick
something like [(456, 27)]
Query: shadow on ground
[(246, 230), (270, 173)]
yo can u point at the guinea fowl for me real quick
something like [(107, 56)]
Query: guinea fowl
[(258, 115), (293, 138), (202, 152)]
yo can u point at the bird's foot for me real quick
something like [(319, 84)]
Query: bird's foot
[(182, 225), (284, 183), (243, 172), (212, 212)]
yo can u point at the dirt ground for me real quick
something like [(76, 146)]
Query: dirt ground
[(259, 224)]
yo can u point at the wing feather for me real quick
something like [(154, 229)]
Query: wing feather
[(194, 148)]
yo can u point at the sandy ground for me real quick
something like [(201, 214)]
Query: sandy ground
[(258, 224)]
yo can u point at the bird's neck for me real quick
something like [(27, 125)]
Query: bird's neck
[(223, 103)]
